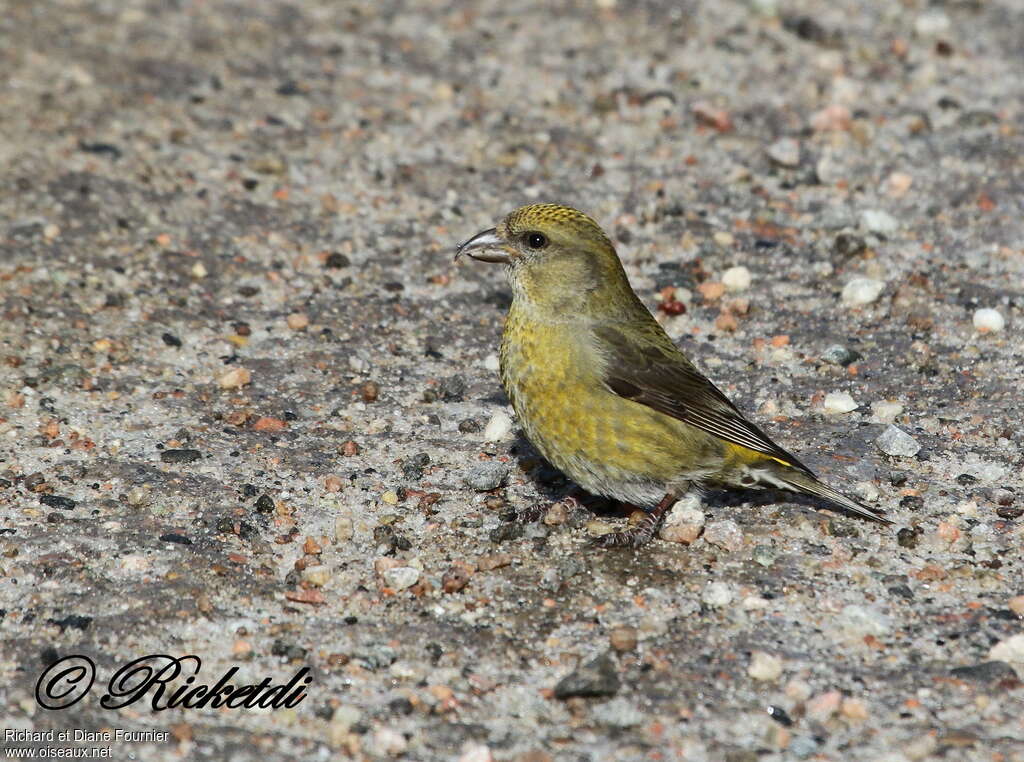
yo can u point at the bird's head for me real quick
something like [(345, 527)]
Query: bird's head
[(558, 258)]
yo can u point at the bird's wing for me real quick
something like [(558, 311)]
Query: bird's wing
[(653, 372)]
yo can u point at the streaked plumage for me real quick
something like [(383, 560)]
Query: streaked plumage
[(601, 390)]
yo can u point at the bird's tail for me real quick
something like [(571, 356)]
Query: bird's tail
[(799, 481)]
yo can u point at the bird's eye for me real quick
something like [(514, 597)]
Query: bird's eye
[(536, 240)]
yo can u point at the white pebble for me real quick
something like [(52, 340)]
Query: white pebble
[(987, 320), (764, 666), (858, 621), (725, 534), (401, 577), (895, 441), (785, 152), (1011, 651), (736, 278), (885, 411), (862, 291), (491, 362), (476, 752), (717, 594), (877, 221), (838, 402), (498, 427)]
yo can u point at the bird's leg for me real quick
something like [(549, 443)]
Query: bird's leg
[(643, 532), (536, 512)]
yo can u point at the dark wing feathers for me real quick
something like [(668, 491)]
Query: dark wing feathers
[(657, 375)]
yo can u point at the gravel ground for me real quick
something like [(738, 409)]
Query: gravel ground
[(249, 408)]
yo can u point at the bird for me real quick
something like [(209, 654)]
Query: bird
[(601, 390)]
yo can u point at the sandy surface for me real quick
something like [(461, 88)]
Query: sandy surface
[(244, 391)]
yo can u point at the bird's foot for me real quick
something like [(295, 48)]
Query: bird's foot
[(642, 533), (571, 505)]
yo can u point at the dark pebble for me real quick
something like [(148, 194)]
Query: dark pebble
[(288, 650), (1009, 513), (100, 149), (985, 672), (34, 480), (780, 715), (470, 426), (453, 389), (597, 678), (248, 292), (848, 245), (840, 355), (507, 532), (291, 87), (966, 479), (912, 502), (74, 621), (908, 538), (903, 591), (175, 537), (265, 504), (56, 501), (400, 706), (336, 260), (180, 456), (249, 490), (412, 468), (171, 340), (898, 478), (4, 483)]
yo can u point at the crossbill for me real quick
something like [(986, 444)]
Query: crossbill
[(601, 390)]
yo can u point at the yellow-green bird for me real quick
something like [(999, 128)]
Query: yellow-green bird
[(600, 389)]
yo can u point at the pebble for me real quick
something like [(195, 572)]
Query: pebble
[(618, 713), (894, 441), (717, 594), (317, 575), (623, 638), (684, 522), (862, 291), (837, 354), (591, 680), (486, 476), (854, 709), (455, 579), (838, 402), (476, 752), (1011, 651), (343, 527), (401, 577), (388, 742), (491, 362), (499, 427), (833, 118), (180, 456), (764, 555), (598, 528), (885, 411), (985, 672), (298, 321), (1016, 605), (824, 705), (785, 152), (857, 621), (877, 221), (344, 717), (736, 278), (235, 378), (725, 534), (987, 320), (764, 666)]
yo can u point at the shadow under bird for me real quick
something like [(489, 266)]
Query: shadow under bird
[(602, 391)]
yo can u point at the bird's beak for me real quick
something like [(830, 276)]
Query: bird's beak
[(477, 247)]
